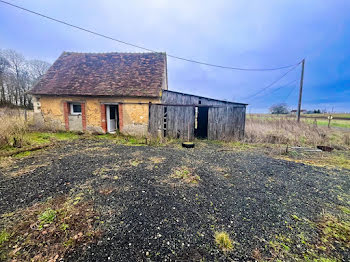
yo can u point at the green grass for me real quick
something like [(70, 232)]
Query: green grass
[(124, 139), (4, 236), (38, 138), (33, 139), (47, 217), (23, 154), (343, 115), (334, 123)]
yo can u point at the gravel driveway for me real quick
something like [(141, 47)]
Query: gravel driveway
[(149, 214)]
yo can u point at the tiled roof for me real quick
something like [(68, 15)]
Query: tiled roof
[(104, 74)]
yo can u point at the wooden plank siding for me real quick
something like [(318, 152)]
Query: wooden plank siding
[(226, 120)]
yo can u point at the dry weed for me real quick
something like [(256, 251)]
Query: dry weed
[(283, 130), (12, 131)]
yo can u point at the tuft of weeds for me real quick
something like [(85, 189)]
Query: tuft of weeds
[(223, 241), (47, 217), (4, 236), (106, 190), (107, 172), (184, 174), (135, 162), (157, 160), (47, 231)]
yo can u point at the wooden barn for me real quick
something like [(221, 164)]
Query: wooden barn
[(128, 93), (186, 116)]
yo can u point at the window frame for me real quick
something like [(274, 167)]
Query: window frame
[(71, 105)]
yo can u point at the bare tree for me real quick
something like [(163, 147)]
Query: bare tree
[(38, 68), (17, 76), (4, 64), (17, 64)]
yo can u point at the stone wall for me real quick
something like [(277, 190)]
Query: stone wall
[(49, 112)]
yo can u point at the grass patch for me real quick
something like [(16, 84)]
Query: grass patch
[(335, 233), (329, 240), (334, 122), (107, 172), (37, 138), (23, 154), (123, 139), (185, 175), (4, 236), (223, 241), (157, 160), (345, 210), (46, 231), (47, 217), (28, 140)]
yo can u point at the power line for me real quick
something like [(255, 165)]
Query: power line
[(144, 48), (274, 90), (285, 100), (271, 84)]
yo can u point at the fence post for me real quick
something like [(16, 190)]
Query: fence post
[(329, 121)]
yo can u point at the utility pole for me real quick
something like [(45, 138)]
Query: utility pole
[(301, 89)]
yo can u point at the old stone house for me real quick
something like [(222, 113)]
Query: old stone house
[(100, 92), (128, 92)]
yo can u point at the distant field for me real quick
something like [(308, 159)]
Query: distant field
[(337, 115), (320, 118), (334, 123)]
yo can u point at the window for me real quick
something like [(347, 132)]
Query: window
[(75, 109)]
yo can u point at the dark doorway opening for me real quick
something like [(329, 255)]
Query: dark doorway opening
[(201, 130)]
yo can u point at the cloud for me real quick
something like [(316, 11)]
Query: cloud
[(233, 33)]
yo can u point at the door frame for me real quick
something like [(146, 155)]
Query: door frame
[(108, 106)]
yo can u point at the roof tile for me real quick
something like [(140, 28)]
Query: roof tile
[(105, 74)]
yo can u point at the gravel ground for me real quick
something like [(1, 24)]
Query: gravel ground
[(150, 216)]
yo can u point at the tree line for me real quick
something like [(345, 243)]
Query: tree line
[(17, 76)]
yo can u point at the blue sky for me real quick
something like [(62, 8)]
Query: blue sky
[(238, 33)]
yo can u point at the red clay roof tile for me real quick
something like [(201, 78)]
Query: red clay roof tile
[(105, 74)]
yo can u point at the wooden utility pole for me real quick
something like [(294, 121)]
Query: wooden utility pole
[(301, 89)]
